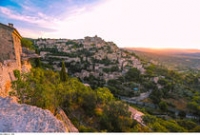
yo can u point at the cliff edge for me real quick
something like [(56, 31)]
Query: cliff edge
[(16, 117)]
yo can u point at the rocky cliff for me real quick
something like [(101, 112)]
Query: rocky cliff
[(16, 117)]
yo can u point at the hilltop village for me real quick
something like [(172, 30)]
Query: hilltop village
[(91, 56)]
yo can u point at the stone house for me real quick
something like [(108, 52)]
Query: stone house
[(11, 57), (10, 44)]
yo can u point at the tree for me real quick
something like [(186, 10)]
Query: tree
[(163, 106), (187, 124), (182, 114), (37, 60), (133, 75), (104, 95), (157, 127), (27, 43), (19, 85), (156, 96), (116, 117), (173, 126), (89, 101), (17, 74), (63, 75)]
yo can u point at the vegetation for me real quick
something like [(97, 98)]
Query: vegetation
[(170, 125), (27, 43), (63, 74), (90, 110)]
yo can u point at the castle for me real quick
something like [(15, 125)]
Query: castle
[(11, 57)]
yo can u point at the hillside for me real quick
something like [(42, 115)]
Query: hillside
[(93, 51), (93, 60)]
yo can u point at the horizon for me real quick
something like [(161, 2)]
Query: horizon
[(154, 24), (170, 50), (189, 49)]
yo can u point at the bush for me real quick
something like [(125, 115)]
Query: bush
[(133, 75), (116, 117), (86, 129), (172, 126), (163, 106), (27, 43), (187, 124), (157, 127), (17, 74)]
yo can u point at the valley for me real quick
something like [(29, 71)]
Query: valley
[(180, 60)]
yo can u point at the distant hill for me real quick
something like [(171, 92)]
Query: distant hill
[(165, 51), (178, 59)]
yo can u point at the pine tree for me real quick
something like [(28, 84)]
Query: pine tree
[(37, 60), (63, 75)]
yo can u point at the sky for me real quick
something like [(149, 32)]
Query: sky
[(128, 23)]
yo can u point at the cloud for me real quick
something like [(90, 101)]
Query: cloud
[(155, 23), (46, 14), (144, 23), (10, 14), (38, 21)]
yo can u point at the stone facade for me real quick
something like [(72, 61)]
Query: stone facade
[(10, 56)]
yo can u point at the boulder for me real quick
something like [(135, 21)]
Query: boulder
[(16, 117)]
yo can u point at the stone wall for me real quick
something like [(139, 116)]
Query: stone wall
[(7, 76), (6, 43), (17, 47), (26, 66)]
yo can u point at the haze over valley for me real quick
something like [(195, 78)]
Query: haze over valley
[(177, 59)]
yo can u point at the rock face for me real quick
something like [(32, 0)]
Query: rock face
[(66, 120), (16, 117)]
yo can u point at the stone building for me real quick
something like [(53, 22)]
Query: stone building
[(10, 44), (10, 56)]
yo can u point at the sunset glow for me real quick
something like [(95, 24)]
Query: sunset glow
[(128, 23)]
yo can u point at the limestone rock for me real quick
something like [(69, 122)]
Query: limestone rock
[(16, 117)]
